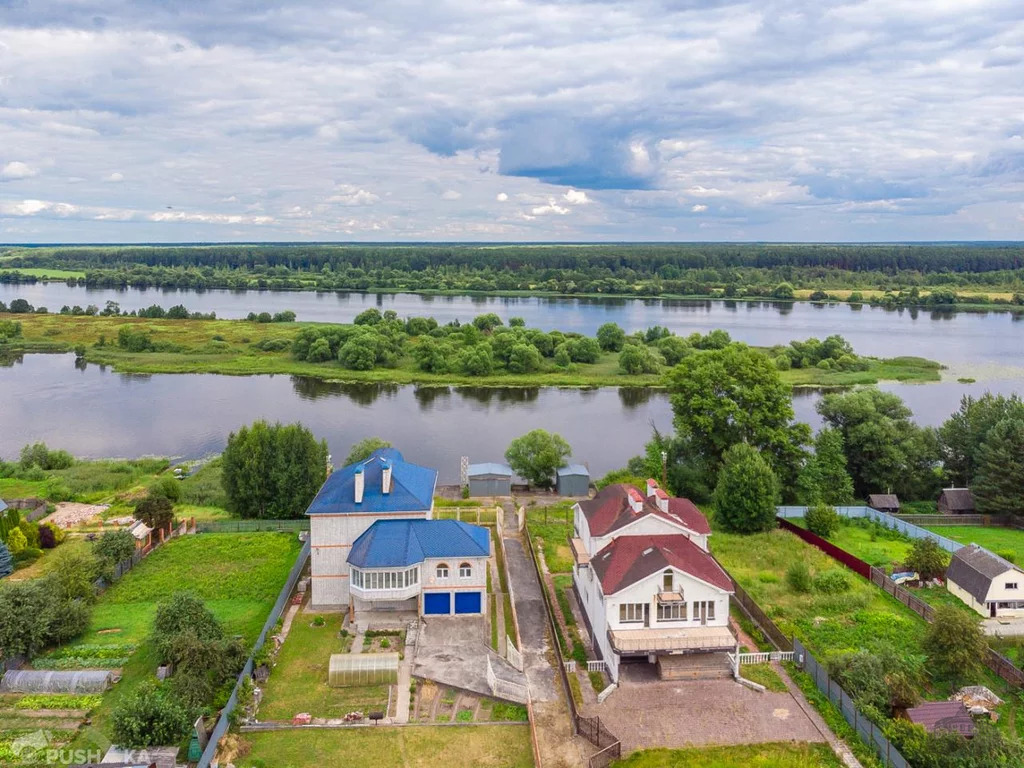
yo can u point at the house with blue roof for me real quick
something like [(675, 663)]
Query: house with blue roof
[(376, 547)]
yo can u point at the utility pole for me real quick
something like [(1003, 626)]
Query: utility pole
[(664, 469)]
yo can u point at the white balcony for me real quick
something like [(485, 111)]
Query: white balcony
[(404, 593)]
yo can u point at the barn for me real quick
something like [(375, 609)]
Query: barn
[(573, 480), (490, 479), (956, 501)]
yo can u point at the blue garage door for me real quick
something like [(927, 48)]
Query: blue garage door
[(437, 602), (467, 602)]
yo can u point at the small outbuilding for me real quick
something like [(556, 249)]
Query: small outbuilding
[(573, 480), (989, 584), (490, 479), (347, 669), (956, 501), (56, 681), (884, 502), (936, 716)]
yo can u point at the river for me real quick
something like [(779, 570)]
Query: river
[(93, 412)]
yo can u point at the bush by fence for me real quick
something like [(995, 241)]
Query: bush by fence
[(869, 733)]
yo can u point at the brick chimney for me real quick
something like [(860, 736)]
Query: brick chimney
[(385, 477), (652, 486), (359, 485)]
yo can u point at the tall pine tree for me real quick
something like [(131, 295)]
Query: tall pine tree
[(999, 479), (824, 478)]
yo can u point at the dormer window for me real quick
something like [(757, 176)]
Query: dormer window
[(442, 570)]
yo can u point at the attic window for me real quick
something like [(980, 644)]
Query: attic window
[(648, 551), (1011, 585)]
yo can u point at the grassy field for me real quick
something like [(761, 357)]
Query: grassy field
[(996, 539), (238, 575), (298, 682), (552, 525), (230, 347), (873, 544), (47, 273), (413, 747), (778, 755)]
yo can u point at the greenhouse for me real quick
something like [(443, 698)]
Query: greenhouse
[(56, 681), (362, 669)]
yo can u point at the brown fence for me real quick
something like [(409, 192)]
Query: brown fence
[(855, 564), (594, 731), (760, 618), (938, 519)]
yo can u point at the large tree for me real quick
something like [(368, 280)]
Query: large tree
[(825, 478), (747, 491), (955, 644), (273, 471), (964, 433), (999, 477), (733, 395), (537, 455), (884, 448), (362, 450)]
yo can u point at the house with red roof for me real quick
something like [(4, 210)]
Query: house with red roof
[(648, 586)]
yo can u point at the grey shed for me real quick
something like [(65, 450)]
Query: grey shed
[(490, 479), (573, 480)]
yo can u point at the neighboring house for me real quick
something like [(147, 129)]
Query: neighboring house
[(936, 716), (573, 480), (384, 487), (646, 582), (433, 567), (989, 584), (490, 479), (956, 501), (885, 502)]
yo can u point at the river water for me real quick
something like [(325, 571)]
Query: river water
[(94, 412)]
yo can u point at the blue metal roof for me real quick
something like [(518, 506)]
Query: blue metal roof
[(490, 468), (3, 506), (573, 469), (412, 487), (401, 543)]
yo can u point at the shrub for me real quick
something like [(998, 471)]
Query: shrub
[(927, 558), (73, 572), (114, 546), (1007, 554), (155, 510), (169, 488), (832, 582), (955, 643), (31, 531), (16, 541), (822, 520), (319, 621), (40, 456), (149, 717), (798, 577)]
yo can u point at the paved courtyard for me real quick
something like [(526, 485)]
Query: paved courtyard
[(648, 712)]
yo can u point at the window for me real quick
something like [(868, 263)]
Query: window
[(672, 612), (666, 581), (357, 577), (704, 611), (1011, 585), (631, 613), (442, 571), (465, 571)]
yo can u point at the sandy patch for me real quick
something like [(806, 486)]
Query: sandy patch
[(71, 513)]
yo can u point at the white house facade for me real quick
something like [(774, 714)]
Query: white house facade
[(645, 580), (991, 585)]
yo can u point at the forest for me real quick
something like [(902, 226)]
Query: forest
[(892, 274)]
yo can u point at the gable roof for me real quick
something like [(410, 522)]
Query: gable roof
[(884, 501), (942, 716), (958, 498), (401, 543), (490, 468), (610, 510), (412, 487), (573, 469), (628, 559), (973, 568)]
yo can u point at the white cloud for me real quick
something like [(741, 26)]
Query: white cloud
[(576, 197), (699, 208), (450, 194), (349, 195), (115, 178), (501, 197), (550, 207), (17, 170)]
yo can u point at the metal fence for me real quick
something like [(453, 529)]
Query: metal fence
[(855, 564), (889, 521), (251, 526), (760, 618), (869, 733), (282, 600), (593, 730)]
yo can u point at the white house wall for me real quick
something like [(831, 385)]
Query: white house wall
[(588, 587), (997, 593), (646, 591), (967, 597)]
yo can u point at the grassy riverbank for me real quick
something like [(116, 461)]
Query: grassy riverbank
[(239, 347)]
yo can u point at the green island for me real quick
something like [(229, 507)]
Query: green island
[(943, 276), (380, 347)]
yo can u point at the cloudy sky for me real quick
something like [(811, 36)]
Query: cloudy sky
[(184, 120)]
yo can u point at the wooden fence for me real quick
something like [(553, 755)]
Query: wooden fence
[(855, 564), (760, 618)]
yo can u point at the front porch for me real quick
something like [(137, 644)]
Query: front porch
[(671, 640)]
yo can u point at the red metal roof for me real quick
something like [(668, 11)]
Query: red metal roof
[(610, 510), (629, 559), (942, 716)]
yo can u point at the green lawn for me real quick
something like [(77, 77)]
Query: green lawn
[(413, 747), (52, 274), (994, 538), (553, 525), (238, 575), (872, 544), (778, 755), (39, 567), (298, 682)]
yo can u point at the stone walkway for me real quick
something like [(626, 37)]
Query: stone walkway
[(838, 745)]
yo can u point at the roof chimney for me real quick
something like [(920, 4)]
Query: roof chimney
[(359, 485), (652, 486), (662, 499), (636, 501), (385, 477)]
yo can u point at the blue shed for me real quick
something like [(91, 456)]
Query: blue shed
[(573, 480), (490, 479)]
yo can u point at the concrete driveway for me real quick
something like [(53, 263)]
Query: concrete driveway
[(648, 712)]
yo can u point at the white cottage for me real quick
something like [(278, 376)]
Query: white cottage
[(989, 584), (645, 579), (375, 547)]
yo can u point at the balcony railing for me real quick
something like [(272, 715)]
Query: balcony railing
[(386, 594), (651, 640)]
